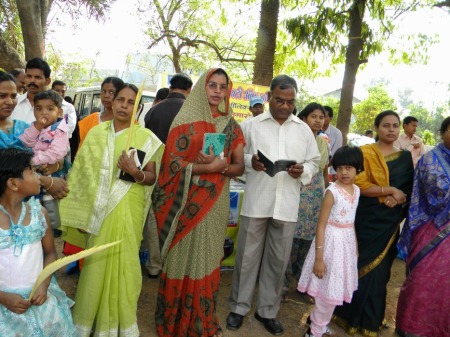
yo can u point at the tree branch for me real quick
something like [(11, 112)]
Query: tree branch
[(218, 51), (443, 4)]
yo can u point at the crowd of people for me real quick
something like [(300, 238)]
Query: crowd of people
[(154, 183)]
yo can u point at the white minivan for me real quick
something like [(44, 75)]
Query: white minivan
[(87, 100)]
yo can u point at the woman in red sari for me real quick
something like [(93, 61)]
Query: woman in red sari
[(191, 204)]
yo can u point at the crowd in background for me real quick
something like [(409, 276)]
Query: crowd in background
[(315, 212)]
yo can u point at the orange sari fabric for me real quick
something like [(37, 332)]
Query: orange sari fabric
[(192, 215)]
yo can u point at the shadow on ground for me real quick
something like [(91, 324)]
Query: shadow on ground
[(292, 314)]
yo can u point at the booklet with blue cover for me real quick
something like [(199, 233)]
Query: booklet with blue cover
[(216, 140), (273, 168)]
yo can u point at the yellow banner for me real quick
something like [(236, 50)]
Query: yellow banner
[(240, 99)]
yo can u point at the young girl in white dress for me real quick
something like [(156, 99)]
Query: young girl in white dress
[(26, 246), (330, 273)]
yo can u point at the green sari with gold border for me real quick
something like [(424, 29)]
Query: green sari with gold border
[(109, 209)]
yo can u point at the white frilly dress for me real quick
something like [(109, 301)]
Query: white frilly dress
[(21, 261), (341, 275)]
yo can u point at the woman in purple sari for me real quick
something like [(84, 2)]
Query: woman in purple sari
[(423, 306)]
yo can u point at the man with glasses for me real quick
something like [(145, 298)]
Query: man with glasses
[(270, 206)]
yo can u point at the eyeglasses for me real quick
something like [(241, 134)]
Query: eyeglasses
[(281, 102), (111, 92), (215, 86)]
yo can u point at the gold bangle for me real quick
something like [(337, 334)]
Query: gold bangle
[(51, 184), (382, 191), (57, 166), (141, 181), (319, 247)]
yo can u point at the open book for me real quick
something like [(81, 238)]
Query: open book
[(55, 265), (273, 168)]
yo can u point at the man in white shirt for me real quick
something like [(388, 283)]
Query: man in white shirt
[(409, 140), (333, 133), (60, 87), (270, 206), (37, 79)]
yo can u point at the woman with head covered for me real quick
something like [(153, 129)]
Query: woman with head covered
[(191, 204)]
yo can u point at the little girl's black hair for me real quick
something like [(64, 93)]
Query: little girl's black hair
[(13, 162), (348, 155)]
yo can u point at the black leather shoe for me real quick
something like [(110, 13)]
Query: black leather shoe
[(234, 321), (271, 324)]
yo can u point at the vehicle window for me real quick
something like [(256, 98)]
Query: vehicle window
[(147, 99), (76, 102), (96, 103), (87, 105)]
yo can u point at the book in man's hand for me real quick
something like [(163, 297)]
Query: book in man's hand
[(273, 168), (138, 158), (216, 140)]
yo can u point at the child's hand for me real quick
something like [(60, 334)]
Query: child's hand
[(319, 268), (40, 296), (15, 303), (41, 123)]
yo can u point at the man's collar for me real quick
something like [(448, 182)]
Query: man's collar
[(267, 115), (406, 136), (22, 98)]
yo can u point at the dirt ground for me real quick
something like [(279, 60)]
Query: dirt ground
[(292, 314)]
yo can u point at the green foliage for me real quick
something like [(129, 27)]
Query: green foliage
[(333, 103), (71, 72), (201, 34), (96, 9), (294, 60), (428, 120), (10, 28), (364, 112), (428, 138), (323, 27)]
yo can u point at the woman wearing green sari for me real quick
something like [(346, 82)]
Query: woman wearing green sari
[(111, 209), (386, 186)]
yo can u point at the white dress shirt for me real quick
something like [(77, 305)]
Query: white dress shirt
[(24, 111), (403, 142), (277, 197), (335, 136)]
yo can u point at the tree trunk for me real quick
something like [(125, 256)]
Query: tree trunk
[(352, 62), (266, 42), (33, 20), (10, 58), (176, 57)]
